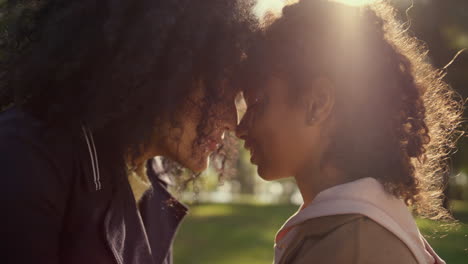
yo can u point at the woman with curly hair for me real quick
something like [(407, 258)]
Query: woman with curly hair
[(91, 91), (343, 99)]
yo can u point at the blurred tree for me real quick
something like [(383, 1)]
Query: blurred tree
[(246, 172)]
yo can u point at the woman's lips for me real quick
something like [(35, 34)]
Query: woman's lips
[(253, 157), (212, 144)]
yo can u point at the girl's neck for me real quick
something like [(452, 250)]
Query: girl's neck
[(312, 180)]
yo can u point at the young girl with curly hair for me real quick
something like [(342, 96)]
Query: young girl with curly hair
[(344, 100)]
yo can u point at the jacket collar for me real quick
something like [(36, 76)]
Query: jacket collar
[(124, 228), (375, 203), (143, 233), (134, 235), (161, 213)]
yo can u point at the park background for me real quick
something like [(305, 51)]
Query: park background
[(234, 219)]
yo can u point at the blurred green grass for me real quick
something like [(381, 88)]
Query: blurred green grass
[(449, 241), (243, 233)]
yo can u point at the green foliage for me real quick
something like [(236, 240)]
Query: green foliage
[(244, 233), (450, 242)]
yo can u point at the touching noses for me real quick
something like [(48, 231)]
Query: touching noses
[(242, 127)]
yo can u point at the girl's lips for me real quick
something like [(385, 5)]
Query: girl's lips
[(253, 158)]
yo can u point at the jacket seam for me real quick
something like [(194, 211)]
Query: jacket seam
[(357, 250)]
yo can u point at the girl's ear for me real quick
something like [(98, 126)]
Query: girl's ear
[(319, 100)]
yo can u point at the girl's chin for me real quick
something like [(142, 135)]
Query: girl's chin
[(268, 174)]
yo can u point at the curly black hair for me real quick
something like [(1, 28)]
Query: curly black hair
[(395, 118), (119, 65)]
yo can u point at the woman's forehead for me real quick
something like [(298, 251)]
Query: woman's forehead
[(251, 95)]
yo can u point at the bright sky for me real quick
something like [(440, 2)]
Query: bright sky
[(355, 2), (268, 5)]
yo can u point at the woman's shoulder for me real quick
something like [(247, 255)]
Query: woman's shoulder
[(21, 136), (14, 119), (18, 126), (28, 147), (349, 238)]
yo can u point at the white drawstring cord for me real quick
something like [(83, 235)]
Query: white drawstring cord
[(93, 155)]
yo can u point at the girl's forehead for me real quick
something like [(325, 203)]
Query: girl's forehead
[(271, 86)]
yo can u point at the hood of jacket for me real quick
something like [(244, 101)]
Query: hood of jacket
[(367, 197)]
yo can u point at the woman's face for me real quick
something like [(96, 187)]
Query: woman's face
[(190, 145), (276, 133)]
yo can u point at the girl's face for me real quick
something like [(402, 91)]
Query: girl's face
[(190, 145), (276, 132)]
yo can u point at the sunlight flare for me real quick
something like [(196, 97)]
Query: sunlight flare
[(264, 6), (355, 2)]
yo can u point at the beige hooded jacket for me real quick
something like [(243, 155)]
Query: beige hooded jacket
[(356, 222)]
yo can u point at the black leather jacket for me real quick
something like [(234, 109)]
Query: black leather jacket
[(60, 205)]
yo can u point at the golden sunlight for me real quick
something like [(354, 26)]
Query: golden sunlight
[(275, 6), (264, 6), (355, 2)]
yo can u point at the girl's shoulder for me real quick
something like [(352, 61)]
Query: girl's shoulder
[(347, 238)]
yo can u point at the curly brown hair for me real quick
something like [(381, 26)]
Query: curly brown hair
[(396, 119), (119, 66)]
